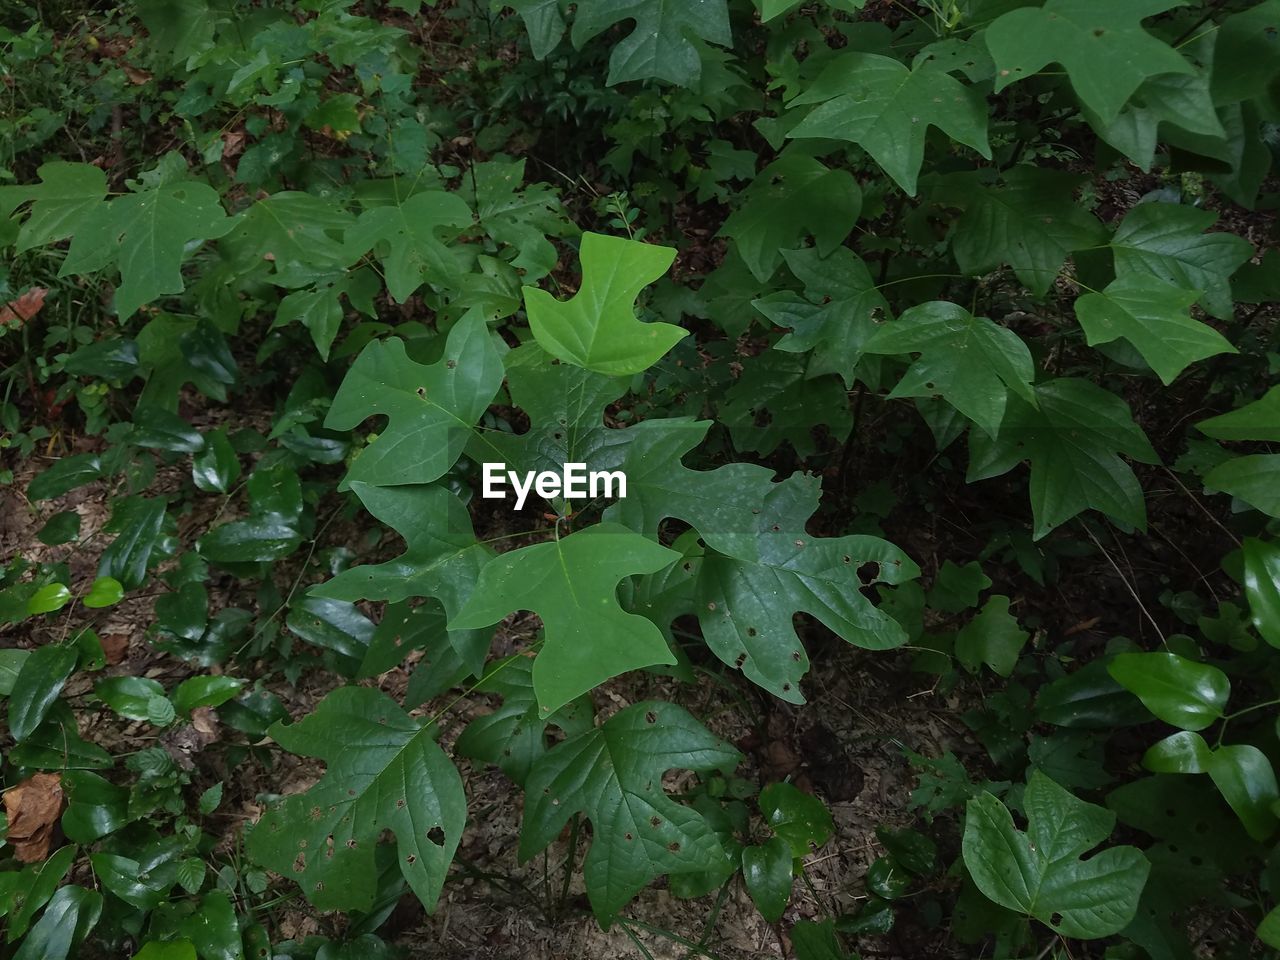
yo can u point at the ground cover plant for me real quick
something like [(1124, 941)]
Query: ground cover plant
[(935, 344)]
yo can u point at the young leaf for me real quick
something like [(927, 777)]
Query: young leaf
[(793, 197), (146, 234), (836, 316), (1031, 221), (886, 108), (597, 328), (572, 584), (103, 592), (992, 637), (1073, 440), (1179, 691), (749, 593), (410, 230), (1101, 44), (429, 409), (1152, 315), (970, 361), (613, 774), (1039, 873), (661, 44), (1167, 241), (384, 771)]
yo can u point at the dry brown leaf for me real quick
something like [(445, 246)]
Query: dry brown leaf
[(16, 312), (136, 77), (115, 647), (33, 808)]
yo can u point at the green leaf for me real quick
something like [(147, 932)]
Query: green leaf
[(104, 592), (814, 940), (1181, 752), (1072, 438), (191, 873), (168, 950), (129, 696), (970, 361), (793, 197), (799, 818), (210, 799), (39, 882), (146, 234), (216, 467), (571, 583), (66, 921), (1259, 420), (775, 401), (1152, 315), (384, 771), (514, 735), (213, 929), (1039, 873), (179, 30), (1167, 241), (1031, 221), (886, 108), (1262, 587), (661, 45), (1179, 691), (68, 194), (766, 869), (411, 229), (137, 523), (1247, 41), (992, 637), (836, 316), (1100, 44), (48, 599), (749, 591), (429, 409), (1243, 775), (957, 588), (521, 219), (614, 775), (137, 884), (40, 679), (195, 692), (60, 528), (11, 662), (1255, 479), (597, 328), (1269, 929), (96, 807), (65, 475), (159, 429), (337, 627)]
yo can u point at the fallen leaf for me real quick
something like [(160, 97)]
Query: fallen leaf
[(33, 808), (16, 312), (115, 647), (136, 77)]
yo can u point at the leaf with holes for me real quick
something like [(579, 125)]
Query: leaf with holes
[(613, 775), (969, 361), (1039, 872), (430, 410), (597, 328), (384, 771)]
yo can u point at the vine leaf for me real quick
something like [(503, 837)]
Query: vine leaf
[(1039, 872), (597, 328), (1031, 222), (572, 584), (747, 605), (410, 228), (836, 315), (384, 771), (613, 774), (970, 361), (791, 198), (1152, 315), (68, 193), (146, 234), (661, 45), (1073, 438), (430, 409), (1101, 45), (442, 559), (1167, 241), (885, 108), (1262, 587)]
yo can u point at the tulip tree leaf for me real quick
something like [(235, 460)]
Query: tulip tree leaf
[(1152, 315), (613, 775), (1259, 420), (661, 45), (430, 409), (66, 196), (1073, 438), (597, 328), (1255, 479), (969, 361), (885, 107), (384, 771), (410, 229), (572, 584), (1101, 44), (1039, 872)]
